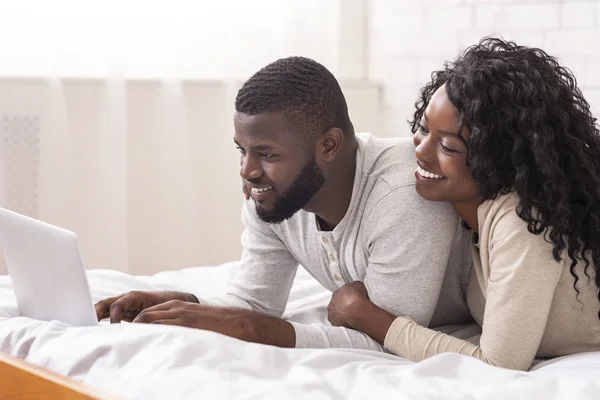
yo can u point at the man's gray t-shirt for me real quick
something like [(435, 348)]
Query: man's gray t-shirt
[(412, 254)]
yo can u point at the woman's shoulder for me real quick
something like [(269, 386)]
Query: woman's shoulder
[(503, 207), (499, 223)]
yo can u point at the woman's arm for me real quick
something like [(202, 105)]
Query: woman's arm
[(520, 288), (350, 307)]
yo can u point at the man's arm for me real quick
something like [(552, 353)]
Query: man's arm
[(261, 286), (266, 271), (248, 325), (250, 309), (409, 241), (408, 244), (255, 300)]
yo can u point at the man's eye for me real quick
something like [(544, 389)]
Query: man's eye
[(265, 155), (240, 149)]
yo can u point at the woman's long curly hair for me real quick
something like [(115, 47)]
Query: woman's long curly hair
[(531, 131)]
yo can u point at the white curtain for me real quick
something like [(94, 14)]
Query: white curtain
[(117, 124), (144, 172)]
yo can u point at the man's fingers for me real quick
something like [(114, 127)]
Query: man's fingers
[(129, 316), (175, 321), (101, 310), (148, 316), (169, 310), (116, 311), (167, 305), (126, 307), (103, 307)]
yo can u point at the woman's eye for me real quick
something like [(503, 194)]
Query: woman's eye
[(448, 149)]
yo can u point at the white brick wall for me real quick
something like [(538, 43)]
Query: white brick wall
[(408, 39)]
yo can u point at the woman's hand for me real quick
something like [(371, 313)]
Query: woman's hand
[(347, 304), (351, 307)]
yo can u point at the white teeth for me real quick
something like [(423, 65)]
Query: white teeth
[(260, 190), (428, 174)]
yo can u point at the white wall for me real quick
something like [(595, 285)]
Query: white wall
[(181, 39), (408, 39)]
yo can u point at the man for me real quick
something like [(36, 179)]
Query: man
[(342, 206)]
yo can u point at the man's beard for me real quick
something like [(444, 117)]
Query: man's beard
[(308, 182)]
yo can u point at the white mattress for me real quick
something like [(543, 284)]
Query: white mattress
[(159, 362)]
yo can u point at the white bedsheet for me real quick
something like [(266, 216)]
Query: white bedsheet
[(160, 362)]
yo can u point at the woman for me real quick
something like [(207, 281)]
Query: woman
[(505, 135)]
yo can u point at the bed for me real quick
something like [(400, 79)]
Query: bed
[(134, 361), (22, 381)]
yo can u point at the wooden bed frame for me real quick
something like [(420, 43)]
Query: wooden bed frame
[(20, 380)]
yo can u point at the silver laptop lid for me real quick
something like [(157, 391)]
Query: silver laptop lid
[(46, 270)]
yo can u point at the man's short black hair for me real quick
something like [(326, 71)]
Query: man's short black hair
[(304, 90)]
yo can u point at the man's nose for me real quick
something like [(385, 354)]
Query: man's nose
[(250, 168)]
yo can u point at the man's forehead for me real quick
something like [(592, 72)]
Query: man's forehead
[(265, 129), (267, 121)]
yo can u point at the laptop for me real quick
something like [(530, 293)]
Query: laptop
[(46, 270)]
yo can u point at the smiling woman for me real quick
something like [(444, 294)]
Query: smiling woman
[(441, 148), (505, 135)]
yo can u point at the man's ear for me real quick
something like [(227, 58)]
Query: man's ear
[(330, 144)]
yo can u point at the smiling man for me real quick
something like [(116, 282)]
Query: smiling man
[(341, 205)]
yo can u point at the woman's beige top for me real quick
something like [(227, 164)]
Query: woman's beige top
[(523, 299)]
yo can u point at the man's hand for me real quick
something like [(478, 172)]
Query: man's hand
[(192, 315), (346, 304), (126, 307), (238, 323)]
